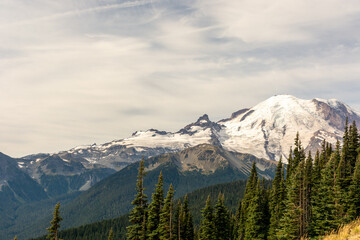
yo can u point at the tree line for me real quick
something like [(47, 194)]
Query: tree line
[(308, 198)]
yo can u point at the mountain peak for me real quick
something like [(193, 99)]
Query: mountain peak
[(203, 119)]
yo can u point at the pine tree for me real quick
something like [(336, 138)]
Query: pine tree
[(324, 207), (55, 224), (307, 195), (178, 221), (353, 146), (291, 223), (254, 225), (249, 192), (166, 221), (137, 219), (354, 199), (154, 210), (221, 220), (277, 201), (111, 234), (187, 229), (207, 226), (237, 218)]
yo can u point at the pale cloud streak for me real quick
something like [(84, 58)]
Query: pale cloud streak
[(78, 72)]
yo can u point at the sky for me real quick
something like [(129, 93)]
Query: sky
[(91, 71)]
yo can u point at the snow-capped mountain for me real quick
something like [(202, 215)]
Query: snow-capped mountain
[(266, 131)]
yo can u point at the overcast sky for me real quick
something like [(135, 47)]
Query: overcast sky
[(91, 71)]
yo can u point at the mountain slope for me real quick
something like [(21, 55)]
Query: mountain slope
[(16, 188), (112, 196), (266, 131)]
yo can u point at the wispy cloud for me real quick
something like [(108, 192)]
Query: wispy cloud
[(77, 72)]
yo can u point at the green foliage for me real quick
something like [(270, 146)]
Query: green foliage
[(221, 220), (111, 234), (153, 219), (97, 230), (55, 224), (207, 225), (166, 217), (277, 201), (137, 228)]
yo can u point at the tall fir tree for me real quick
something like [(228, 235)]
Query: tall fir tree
[(249, 192), (307, 194), (207, 225), (166, 220), (292, 223), (353, 146), (178, 221), (254, 225), (187, 229), (354, 194), (55, 224), (138, 215), (324, 205), (155, 208), (236, 223), (277, 201), (221, 220)]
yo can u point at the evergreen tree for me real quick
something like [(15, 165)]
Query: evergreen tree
[(55, 224), (324, 207), (354, 199), (166, 225), (277, 201), (249, 192), (137, 228), (307, 194), (291, 224), (178, 221), (237, 217), (221, 220), (353, 146), (111, 234), (254, 225), (207, 226), (187, 229), (154, 210)]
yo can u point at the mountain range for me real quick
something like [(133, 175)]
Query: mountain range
[(266, 131), (200, 154)]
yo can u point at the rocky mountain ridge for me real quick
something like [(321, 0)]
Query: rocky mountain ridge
[(266, 131)]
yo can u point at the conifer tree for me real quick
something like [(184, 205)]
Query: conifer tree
[(354, 198), (277, 201), (324, 208), (254, 225), (237, 218), (307, 195), (291, 224), (353, 146), (166, 221), (55, 224), (187, 229), (138, 215), (221, 220), (178, 221), (155, 208), (207, 226), (249, 192), (111, 234)]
